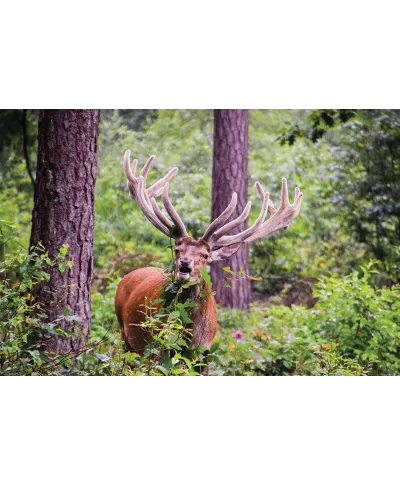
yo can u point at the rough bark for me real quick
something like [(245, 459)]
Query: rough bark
[(230, 174), (64, 213)]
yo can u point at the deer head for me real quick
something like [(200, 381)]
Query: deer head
[(216, 243)]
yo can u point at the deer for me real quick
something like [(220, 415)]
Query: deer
[(142, 285)]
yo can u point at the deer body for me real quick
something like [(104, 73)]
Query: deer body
[(136, 291), (140, 287)]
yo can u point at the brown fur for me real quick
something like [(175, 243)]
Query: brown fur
[(145, 285), (136, 289)]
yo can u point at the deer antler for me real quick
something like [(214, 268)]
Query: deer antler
[(145, 198), (280, 219)]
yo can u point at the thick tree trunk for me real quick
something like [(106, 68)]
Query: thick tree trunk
[(64, 213), (230, 173)]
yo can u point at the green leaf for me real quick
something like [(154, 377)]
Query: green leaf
[(63, 251), (214, 347), (159, 300), (178, 371), (162, 369), (68, 333), (130, 356), (166, 362), (228, 269), (189, 283), (184, 314), (206, 277), (173, 316)]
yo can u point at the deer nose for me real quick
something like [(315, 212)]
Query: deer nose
[(184, 266)]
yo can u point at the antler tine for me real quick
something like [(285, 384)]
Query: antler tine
[(281, 218), (138, 191), (172, 212), (284, 194), (146, 168), (157, 188), (130, 171), (235, 238), (221, 219), (216, 237), (159, 214)]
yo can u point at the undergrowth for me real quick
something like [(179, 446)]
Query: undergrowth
[(354, 329)]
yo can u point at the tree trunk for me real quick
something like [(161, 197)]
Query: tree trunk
[(64, 213), (230, 174)]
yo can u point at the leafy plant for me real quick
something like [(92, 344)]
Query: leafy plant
[(22, 322)]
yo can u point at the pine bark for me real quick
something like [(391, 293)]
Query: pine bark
[(64, 213), (230, 174)]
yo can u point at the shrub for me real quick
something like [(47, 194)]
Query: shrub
[(362, 320), (23, 326), (352, 330), (22, 322)]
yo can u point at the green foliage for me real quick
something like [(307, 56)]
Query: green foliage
[(18, 134), (23, 326), (347, 165), (364, 321), (348, 213), (354, 329), (315, 126), (368, 178), (177, 139), (353, 335), (170, 352), (22, 322)]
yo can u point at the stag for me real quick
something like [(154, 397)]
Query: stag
[(143, 285)]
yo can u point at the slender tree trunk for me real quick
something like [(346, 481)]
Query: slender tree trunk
[(230, 174), (64, 213)]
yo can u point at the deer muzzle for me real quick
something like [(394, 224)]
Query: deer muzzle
[(184, 269)]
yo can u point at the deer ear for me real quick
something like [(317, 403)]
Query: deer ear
[(225, 252)]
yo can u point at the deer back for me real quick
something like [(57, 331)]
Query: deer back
[(134, 294)]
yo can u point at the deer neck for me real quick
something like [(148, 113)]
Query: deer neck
[(203, 314)]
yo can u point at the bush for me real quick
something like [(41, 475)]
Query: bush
[(362, 320), (22, 322), (24, 325), (354, 329)]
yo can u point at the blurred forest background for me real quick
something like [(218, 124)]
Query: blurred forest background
[(326, 292)]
